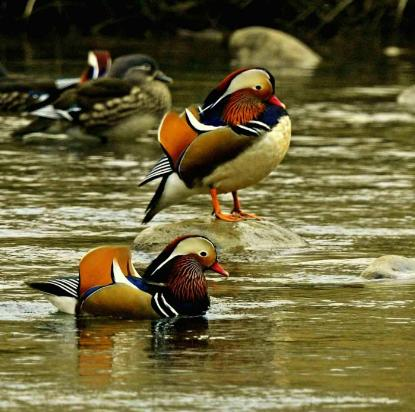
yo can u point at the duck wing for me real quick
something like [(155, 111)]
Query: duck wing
[(210, 150), (25, 94)]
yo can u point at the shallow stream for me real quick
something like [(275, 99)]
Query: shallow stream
[(291, 329)]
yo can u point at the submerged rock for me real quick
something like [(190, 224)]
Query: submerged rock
[(390, 267), (39, 138), (263, 46), (407, 97), (208, 34), (261, 236)]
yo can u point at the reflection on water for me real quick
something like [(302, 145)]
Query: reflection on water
[(110, 349), (296, 330)]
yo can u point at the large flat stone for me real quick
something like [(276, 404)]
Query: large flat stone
[(260, 236)]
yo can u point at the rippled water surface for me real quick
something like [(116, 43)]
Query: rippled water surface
[(295, 330)]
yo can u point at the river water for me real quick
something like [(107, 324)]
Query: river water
[(297, 329)]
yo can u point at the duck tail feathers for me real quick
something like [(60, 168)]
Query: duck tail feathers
[(38, 125), (62, 293), (58, 287), (154, 206)]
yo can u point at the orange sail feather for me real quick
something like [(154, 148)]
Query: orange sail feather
[(95, 268), (175, 134)]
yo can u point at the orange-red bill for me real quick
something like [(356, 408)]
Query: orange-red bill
[(216, 267), (275, 100)]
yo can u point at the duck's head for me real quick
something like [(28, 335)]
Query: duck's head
[(99, 65), (138, 68), (182, 263), (243, 94)]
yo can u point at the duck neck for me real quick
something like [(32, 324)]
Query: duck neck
[(242, 107), (186, 281)]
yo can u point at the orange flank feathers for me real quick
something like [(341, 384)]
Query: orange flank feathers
[(95, 268), (175, 134)]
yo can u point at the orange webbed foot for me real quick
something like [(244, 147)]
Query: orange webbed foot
[(217, 210), (227, 217), (236, 211), (245, 215)]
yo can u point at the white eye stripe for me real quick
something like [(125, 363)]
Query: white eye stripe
[(144, 66), (186, 247)]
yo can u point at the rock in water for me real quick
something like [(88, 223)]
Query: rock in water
[(258, 235), (407, 97), (262, 46), (390, 267)]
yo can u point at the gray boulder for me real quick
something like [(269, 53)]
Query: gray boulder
[(391, 267), (407, 97), (262, 237), (263, 46)]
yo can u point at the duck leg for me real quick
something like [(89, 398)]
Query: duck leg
[(217, 209), (236, 211)]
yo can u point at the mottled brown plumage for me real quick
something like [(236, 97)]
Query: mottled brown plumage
[(132, 99), (20, 94)]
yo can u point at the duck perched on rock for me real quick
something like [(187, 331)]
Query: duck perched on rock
[(108, 284), (236, 138), (22, 94), (131, 99)]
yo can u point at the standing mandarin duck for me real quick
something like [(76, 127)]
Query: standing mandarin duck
[(19, 94), (236, 138), (131, 99), (108, 284)]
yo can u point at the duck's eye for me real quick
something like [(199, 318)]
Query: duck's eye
[(258, 87), (203, 253)]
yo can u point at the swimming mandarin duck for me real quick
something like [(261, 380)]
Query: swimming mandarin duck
[(108, 284), (20, 94), (236, 138), (131, 99)]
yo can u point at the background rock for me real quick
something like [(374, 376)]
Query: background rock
[(390, 267), (262, 46)]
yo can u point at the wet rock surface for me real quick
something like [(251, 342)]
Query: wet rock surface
[(262, 236), (407, 97), (390, 267)]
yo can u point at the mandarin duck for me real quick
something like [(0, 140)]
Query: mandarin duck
[(108, 284), (131, 99), (236, 138), (22, 94)]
